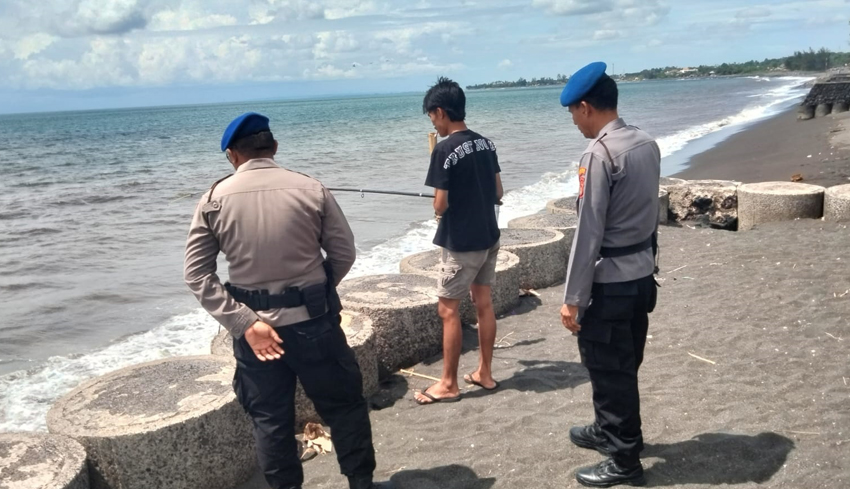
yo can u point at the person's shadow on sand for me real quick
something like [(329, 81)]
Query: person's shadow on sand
[(718, 458), (540, 376), (446, 477)]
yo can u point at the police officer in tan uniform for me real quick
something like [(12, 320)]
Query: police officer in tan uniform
[(610, 288), (280, 305)]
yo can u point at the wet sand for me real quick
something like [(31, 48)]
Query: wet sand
[(768, 405), (776, 149)]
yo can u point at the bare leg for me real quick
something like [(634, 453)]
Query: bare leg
[(486, 334), (452, 344)]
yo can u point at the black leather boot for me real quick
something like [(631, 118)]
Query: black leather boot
[(365, 482), (607, 473), (590, 437)]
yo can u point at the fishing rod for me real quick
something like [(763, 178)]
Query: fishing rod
[(385, 192)]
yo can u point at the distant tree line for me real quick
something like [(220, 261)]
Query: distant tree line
[(522, 82), (810, 60)]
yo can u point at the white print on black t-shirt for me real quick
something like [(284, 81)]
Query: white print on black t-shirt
[(467, 149)]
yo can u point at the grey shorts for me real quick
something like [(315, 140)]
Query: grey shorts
[(459, 270)]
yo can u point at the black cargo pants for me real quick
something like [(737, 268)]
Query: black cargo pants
[(316, 352), (611, 342)]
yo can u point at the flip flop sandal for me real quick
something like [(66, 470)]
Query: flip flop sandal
[(469, 380), (435, 400)]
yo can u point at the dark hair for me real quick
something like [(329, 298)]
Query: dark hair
[(603, 95), (447, 95), (259, 145)]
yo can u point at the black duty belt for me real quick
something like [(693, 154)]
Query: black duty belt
[(261, 300), (646, 244)]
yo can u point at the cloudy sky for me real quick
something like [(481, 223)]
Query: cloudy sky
[(78, 54)]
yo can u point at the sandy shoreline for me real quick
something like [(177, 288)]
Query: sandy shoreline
[(774, 150), (770, 307)]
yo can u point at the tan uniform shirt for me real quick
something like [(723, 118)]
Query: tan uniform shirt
[(272, 225)]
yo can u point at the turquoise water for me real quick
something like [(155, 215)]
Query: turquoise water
[(94, 206)]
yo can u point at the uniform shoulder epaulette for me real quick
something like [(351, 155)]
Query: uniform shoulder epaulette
[(214, 185)]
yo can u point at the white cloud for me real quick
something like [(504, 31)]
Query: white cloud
[(753, 13), (286, 10), (104, 64), (606, 35), (33, 44), (188, 20), (505, 63), (111, 16), (574, 7), (402, 39), (352, 8), (331, 44)]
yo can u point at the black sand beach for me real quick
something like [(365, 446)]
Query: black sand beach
[(775, 149), (766, 404)]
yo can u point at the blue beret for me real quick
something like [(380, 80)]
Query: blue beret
[(244, 125), (581, 83)]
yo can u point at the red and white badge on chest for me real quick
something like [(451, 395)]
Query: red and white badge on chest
[(582, 176)]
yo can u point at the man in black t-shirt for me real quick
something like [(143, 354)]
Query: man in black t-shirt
[(465, 175)]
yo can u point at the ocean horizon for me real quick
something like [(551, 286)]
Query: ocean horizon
[(96, 204)]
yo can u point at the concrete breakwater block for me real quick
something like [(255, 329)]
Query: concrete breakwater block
[(504, 292), (823, 110), (840, 107), (172, 423), (665, 182), (663, 206), (806, 112), (836, 203), (403, 310), (41, 461), (778, 201), (361, 338), (566, 205), (565, 223), (542, 255), (715, 200), (561, 222)]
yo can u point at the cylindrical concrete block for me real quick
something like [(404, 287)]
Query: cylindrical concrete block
[(565, 223), (839, 107), (403, 309), (541, 253), (663, 205), (823, 110), (836, 203), (716, 200), (560, 222), (172, 423), (361, 338), (42, 461), (806, 112), (504, 292), (665, 182), (566, 205), (778, 201)]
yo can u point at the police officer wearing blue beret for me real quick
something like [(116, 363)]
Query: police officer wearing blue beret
[(280, 305), (610, 287)]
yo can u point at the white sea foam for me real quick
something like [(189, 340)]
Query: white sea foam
[(26, 396), (770, 101)]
